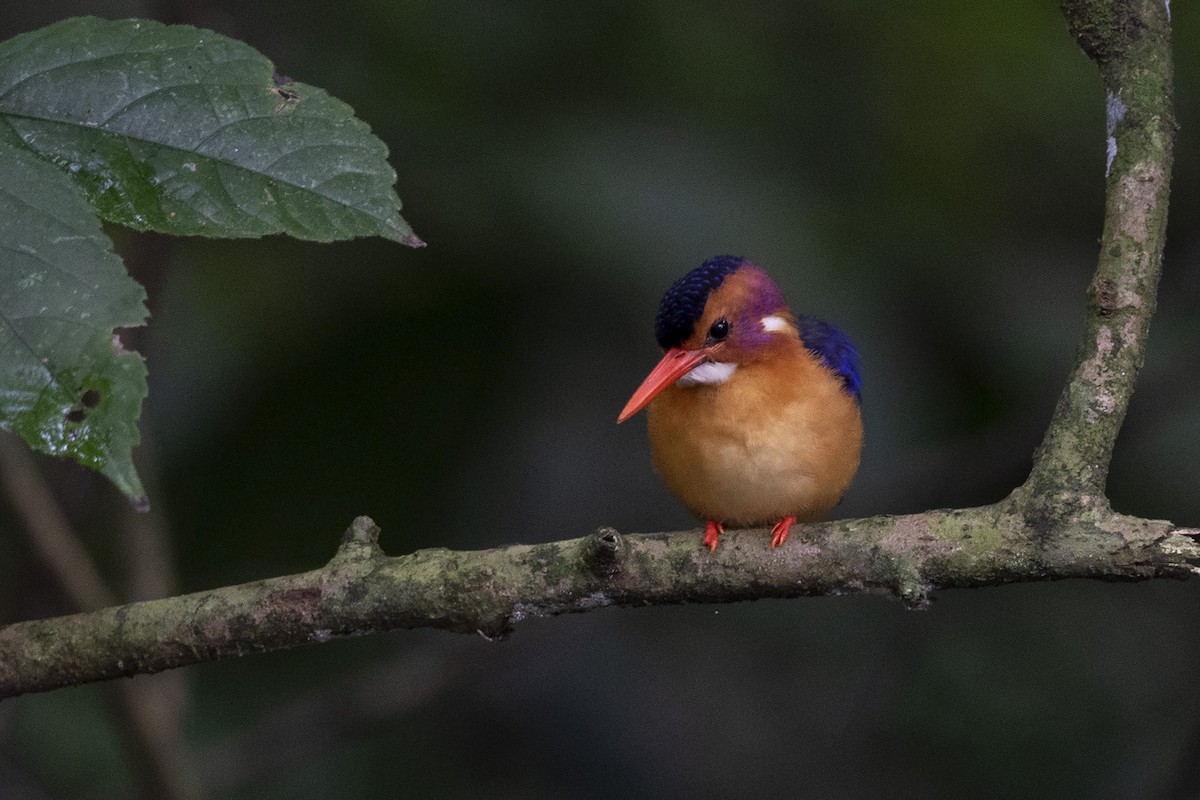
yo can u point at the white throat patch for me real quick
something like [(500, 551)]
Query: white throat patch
[(710, 372)]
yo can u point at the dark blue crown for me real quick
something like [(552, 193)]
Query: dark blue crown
[(835, 350), (684, 302)]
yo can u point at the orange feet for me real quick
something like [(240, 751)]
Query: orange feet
[(779, 532), (711, 531)]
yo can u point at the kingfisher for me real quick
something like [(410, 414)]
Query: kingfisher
[(753, 413)]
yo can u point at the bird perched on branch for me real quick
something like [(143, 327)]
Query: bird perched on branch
[(753, 413)]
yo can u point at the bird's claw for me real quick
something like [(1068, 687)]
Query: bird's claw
[(711, 531), (779, 532)]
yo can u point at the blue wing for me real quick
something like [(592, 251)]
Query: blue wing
[(835, 350)]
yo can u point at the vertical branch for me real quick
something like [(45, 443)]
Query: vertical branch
[(1130, 43), (51, 536), (155, 708), (150, 717)]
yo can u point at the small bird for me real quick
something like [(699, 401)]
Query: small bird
[(753, 413)]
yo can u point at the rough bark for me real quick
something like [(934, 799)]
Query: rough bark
[(1130, 42), (489, 591)]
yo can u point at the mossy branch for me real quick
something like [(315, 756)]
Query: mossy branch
[(489, 591), (1130, 42), (1057, 525)]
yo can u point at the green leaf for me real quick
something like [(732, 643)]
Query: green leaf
[(184, 131), (68, 388)]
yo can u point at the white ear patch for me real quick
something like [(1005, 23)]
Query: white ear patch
[(775, 324), (711, 372)]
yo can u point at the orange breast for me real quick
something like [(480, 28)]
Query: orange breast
[(780, 437)]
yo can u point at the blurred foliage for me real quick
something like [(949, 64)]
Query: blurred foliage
[(929, 176)]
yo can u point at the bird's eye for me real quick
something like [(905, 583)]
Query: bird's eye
[(719, 330)]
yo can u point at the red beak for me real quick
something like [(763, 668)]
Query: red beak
[(674, 365)]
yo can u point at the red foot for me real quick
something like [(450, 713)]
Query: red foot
[(779, 532), (711, 531)]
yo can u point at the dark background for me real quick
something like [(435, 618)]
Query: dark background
[(929, 176)]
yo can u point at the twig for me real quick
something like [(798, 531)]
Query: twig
[(145, 707), (55, 543), (155, 707)]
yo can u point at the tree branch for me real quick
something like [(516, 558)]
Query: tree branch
[(53, 539), (489, 591), (1130, 42), (152, 719), (1057, 525)]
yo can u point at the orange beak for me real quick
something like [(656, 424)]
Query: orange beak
[(674, 365)]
